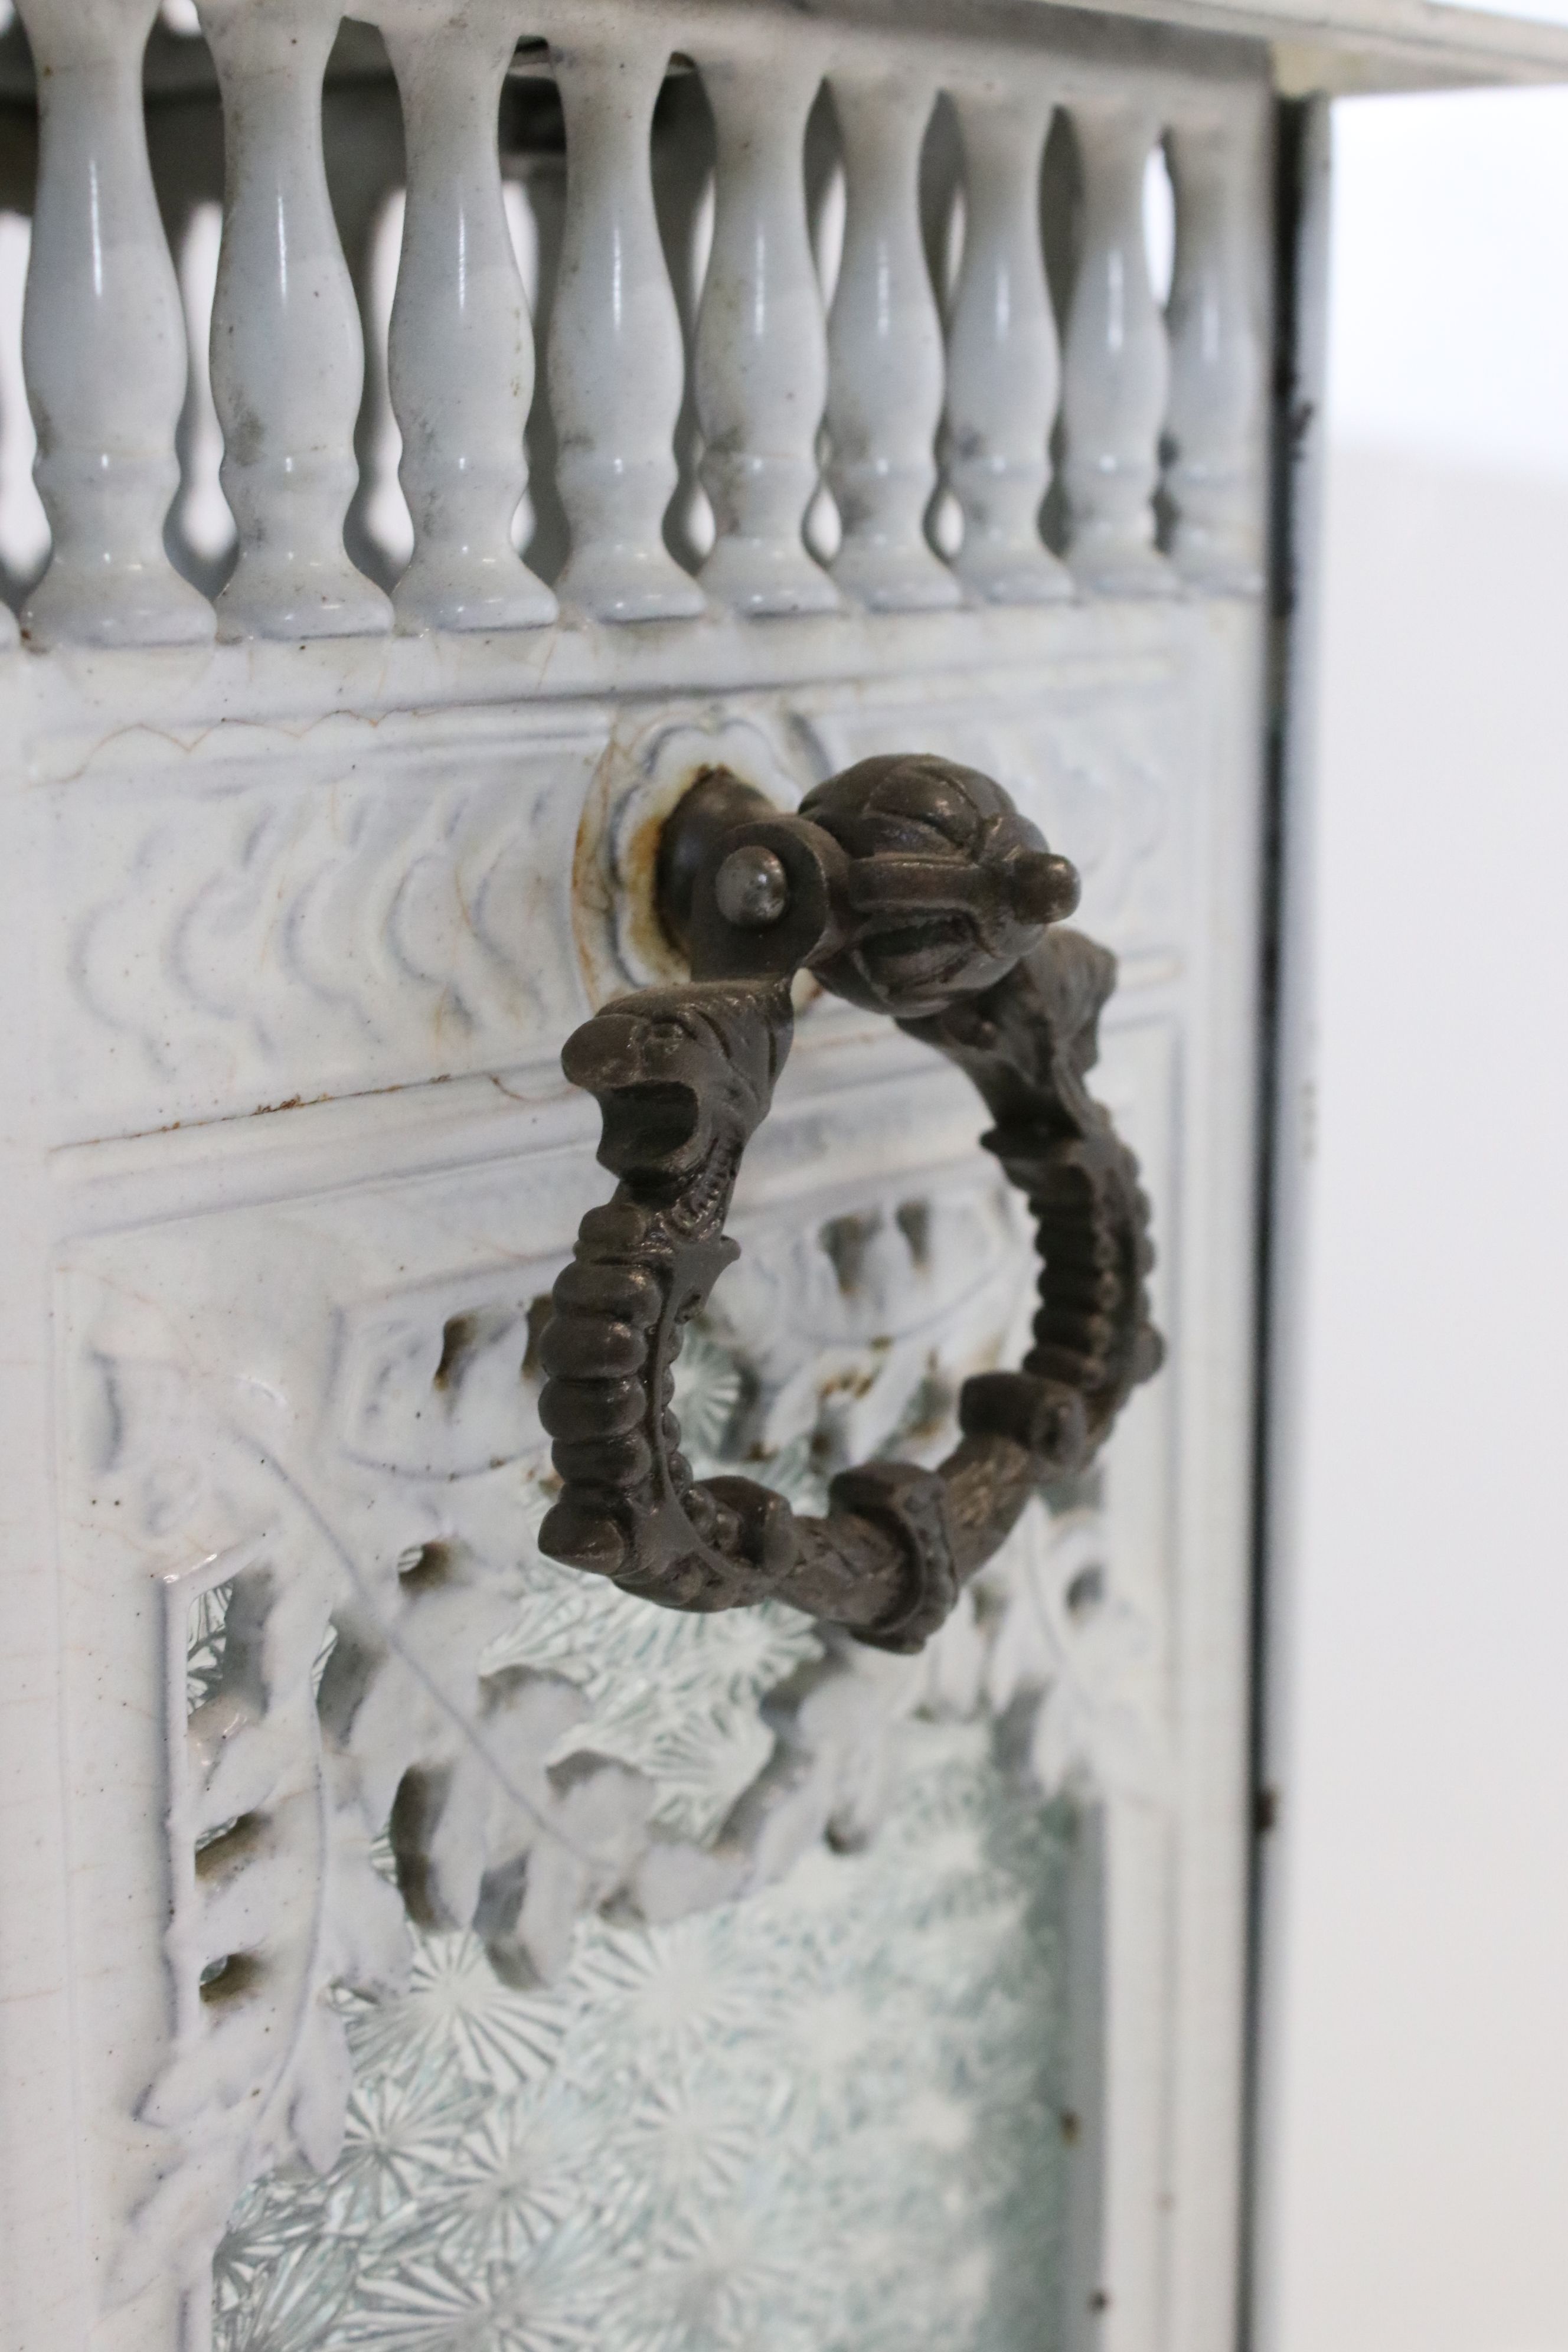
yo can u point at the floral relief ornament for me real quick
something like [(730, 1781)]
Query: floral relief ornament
[(379, 1653)]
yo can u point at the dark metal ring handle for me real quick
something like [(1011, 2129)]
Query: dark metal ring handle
[(913, 886)]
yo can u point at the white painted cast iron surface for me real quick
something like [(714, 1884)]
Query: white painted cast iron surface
[(295, 1392), (760, 1990)]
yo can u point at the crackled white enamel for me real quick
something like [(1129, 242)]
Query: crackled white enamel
[(706, 1938)]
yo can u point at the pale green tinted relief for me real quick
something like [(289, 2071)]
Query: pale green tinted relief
[(826, 2117)]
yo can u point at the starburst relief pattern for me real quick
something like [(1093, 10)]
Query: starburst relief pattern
[(826, 2117)]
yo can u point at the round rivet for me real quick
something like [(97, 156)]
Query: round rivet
[(751, 889), (1041, 887)]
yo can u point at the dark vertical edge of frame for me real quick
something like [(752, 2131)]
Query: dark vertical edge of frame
[(1295, 425)]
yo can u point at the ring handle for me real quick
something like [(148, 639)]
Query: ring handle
[(913, 886)]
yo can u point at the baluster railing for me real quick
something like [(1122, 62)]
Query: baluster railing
[(103, 342), (462, 344), (1116, 367), (772, 389), (762, 344), (1004, 370), (615, 353), (288, 360), (1217, 361), (885, 352)]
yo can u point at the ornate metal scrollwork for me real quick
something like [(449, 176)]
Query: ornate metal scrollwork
[(913, 886)]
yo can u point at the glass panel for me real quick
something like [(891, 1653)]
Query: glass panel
[(826, 2117)]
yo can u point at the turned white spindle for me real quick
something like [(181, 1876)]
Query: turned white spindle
[(616, 356), (541, 179), (885, 354), (681, 161), (1116, 369), (462, 343), (362, 130), (184, 145), (762, 344), (103, 340), (287, 357), (1215, 422), (1003, 372)]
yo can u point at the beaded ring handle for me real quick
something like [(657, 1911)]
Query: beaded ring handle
[(912, 886)]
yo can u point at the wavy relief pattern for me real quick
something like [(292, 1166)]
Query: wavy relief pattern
[(278, 933), (250, 932)]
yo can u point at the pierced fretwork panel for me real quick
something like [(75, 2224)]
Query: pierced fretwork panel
[(445, 1818), (867, 2060)]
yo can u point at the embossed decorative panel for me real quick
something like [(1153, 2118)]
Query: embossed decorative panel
[(416, 1943), (431, 1797), (411, 1817)]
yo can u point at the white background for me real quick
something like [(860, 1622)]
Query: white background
[(1416, 2140)]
